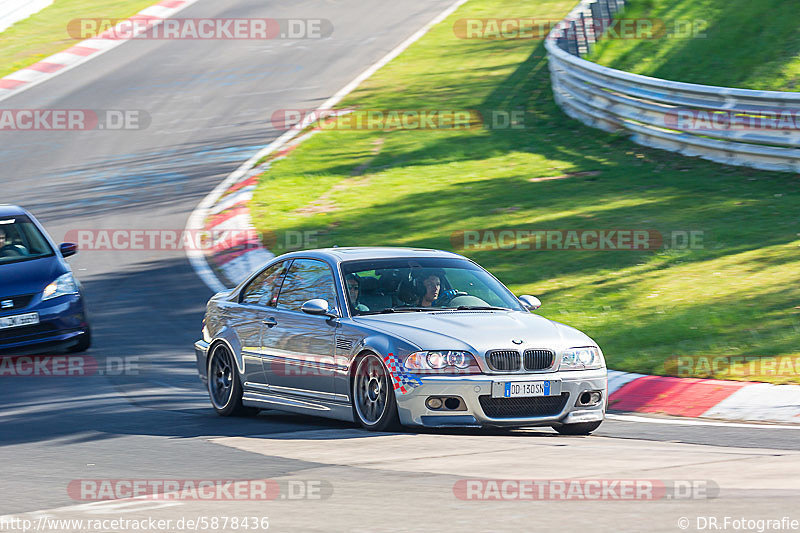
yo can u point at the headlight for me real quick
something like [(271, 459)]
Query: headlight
[(458, 359), (436, 359), (63, 285), (442, 361), (584, 358)]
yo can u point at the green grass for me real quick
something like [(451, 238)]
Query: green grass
[(742, 43), (738, 295), (45, 33)]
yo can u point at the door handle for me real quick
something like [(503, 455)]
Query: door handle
[(269, 322)]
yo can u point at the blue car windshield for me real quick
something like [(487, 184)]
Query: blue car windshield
[(378, 286), (21, 240)]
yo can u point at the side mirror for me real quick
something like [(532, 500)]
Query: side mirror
[(317, 306), (531, 303), (68, 249)]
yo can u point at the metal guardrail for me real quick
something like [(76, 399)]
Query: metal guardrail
[(759, 129)]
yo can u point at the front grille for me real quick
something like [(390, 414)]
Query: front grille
[(503, 360), (24, 333), (538, 359), (523, 407), (18, 302)]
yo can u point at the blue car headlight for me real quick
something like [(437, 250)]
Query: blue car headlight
[(62, 286), (583, 358)]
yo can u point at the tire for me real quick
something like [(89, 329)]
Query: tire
[(83, 344), (584, 428), (224, 386), (372, 393)]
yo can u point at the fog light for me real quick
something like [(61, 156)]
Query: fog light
[(589, 398), (434, 403)]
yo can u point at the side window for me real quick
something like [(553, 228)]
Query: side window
[(263, 290), (307, 279)]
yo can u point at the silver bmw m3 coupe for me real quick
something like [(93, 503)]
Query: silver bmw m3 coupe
[(391, 336)]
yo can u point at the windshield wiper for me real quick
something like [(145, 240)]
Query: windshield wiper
[(478, 308), (398, 310)]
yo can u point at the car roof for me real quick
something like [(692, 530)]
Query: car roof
[(371, 252), (7, 210)]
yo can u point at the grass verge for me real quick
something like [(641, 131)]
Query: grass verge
[(730, 43), (736, 293), (45, 33)]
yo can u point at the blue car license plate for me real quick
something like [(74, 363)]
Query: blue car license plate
[(16, 321)]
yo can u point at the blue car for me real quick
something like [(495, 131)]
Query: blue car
[(41, 304)]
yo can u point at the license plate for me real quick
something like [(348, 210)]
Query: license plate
[(525, 389), (15, 321)]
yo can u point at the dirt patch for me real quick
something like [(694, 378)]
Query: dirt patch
[(506, 209), (582, 174), (324, 204), (377, 144)]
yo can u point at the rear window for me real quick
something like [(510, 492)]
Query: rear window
[(21, 240)]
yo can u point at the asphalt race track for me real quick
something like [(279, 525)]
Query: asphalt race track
[(210, 104)]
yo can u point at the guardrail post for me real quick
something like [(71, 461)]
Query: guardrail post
[(590, 21), (572, 38), (583, 41), (604, 18)]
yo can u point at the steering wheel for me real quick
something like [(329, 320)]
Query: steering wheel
[(449, 294), (13, 248)]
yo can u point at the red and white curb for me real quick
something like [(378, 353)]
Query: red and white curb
[(230, 212), (704, 398), (87, 49)]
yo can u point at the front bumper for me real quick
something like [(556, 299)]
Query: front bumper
[(201, 356), (413, 411), (62, 321)]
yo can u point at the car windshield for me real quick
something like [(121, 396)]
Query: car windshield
[(21, 240), (422, 284)]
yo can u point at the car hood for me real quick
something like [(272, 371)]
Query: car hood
[(28, 277), (478, 331)]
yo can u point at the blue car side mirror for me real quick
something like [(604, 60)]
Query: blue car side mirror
[(68, 248)]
